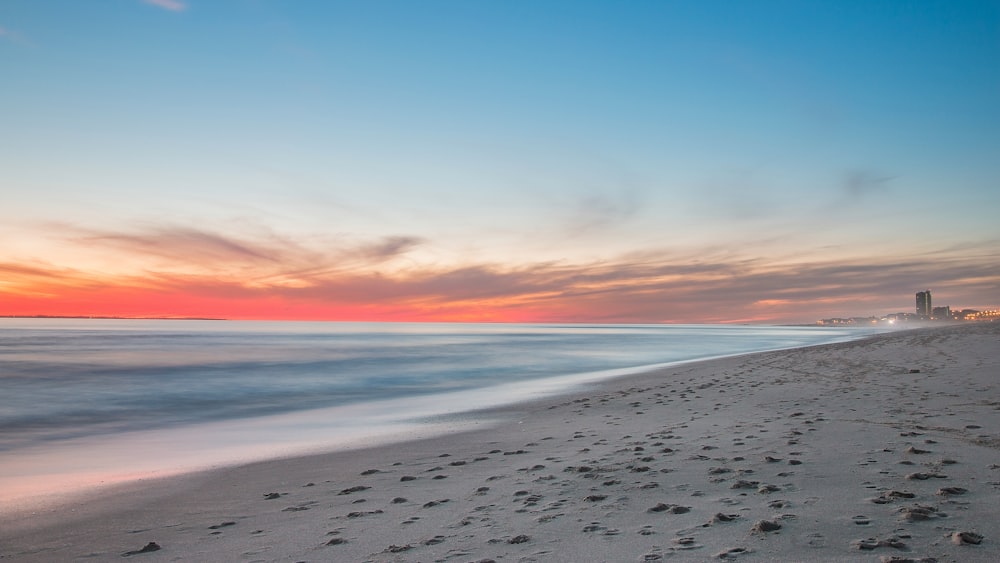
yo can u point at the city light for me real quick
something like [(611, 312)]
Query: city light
[(924, 313)]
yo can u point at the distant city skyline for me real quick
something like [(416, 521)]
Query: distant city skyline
[(924, 311), (564, 161)]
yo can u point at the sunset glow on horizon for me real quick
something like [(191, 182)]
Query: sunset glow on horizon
[(586, 161)]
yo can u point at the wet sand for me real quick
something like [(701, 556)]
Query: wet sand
[(886, 449)]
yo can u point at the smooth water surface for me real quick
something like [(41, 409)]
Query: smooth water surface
[(89, 401)]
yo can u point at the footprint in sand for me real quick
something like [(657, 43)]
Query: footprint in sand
[(352, 490), (148, 548), (920, 476), (359, 514), (336, 541), (732, 553), (961, 538), (861, 520), (764, 526), (548, 518), (890, 496), (686, 542), (721, 518), (875, 543), (433, 541), (949, 491), (919, 513), (670, 508)]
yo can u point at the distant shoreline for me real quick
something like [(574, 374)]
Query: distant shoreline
[(103, 317)]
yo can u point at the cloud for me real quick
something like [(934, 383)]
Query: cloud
[(388, 247), (39, 279), (263, 275), (12, 36), (861, 183), (182, 244), (605, 292), (624, 291), (248, 253), (601, 211), (14, 274), (172, 5), (23, 270)]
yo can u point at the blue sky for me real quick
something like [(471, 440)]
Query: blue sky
[(639, 161)]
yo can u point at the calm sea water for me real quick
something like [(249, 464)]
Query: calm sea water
[(99, 401)]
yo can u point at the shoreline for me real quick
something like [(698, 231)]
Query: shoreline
[(422, 428), (34, 474), (565, 477)]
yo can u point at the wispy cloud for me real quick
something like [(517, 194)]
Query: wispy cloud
[(861, 183), (7, 34), (172, 5), (600, 211), (622, 291), (27, 280), (388, 247), (181, 244), (258, 253), (648, 292), (215, 274)]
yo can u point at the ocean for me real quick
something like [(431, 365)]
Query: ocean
[(90, 402)]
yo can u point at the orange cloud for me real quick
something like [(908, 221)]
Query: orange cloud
[(542, 293), (206, 274)]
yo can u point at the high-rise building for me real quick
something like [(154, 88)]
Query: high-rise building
[(924, 308), (942, 313)]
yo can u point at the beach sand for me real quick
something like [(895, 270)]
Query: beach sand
[(885, 449)]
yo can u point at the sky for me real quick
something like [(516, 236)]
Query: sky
[(498, 161)]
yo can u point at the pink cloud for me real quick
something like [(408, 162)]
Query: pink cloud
[(202, 272), (172, 5)]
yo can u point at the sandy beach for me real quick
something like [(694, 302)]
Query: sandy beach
[(885, 449)]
